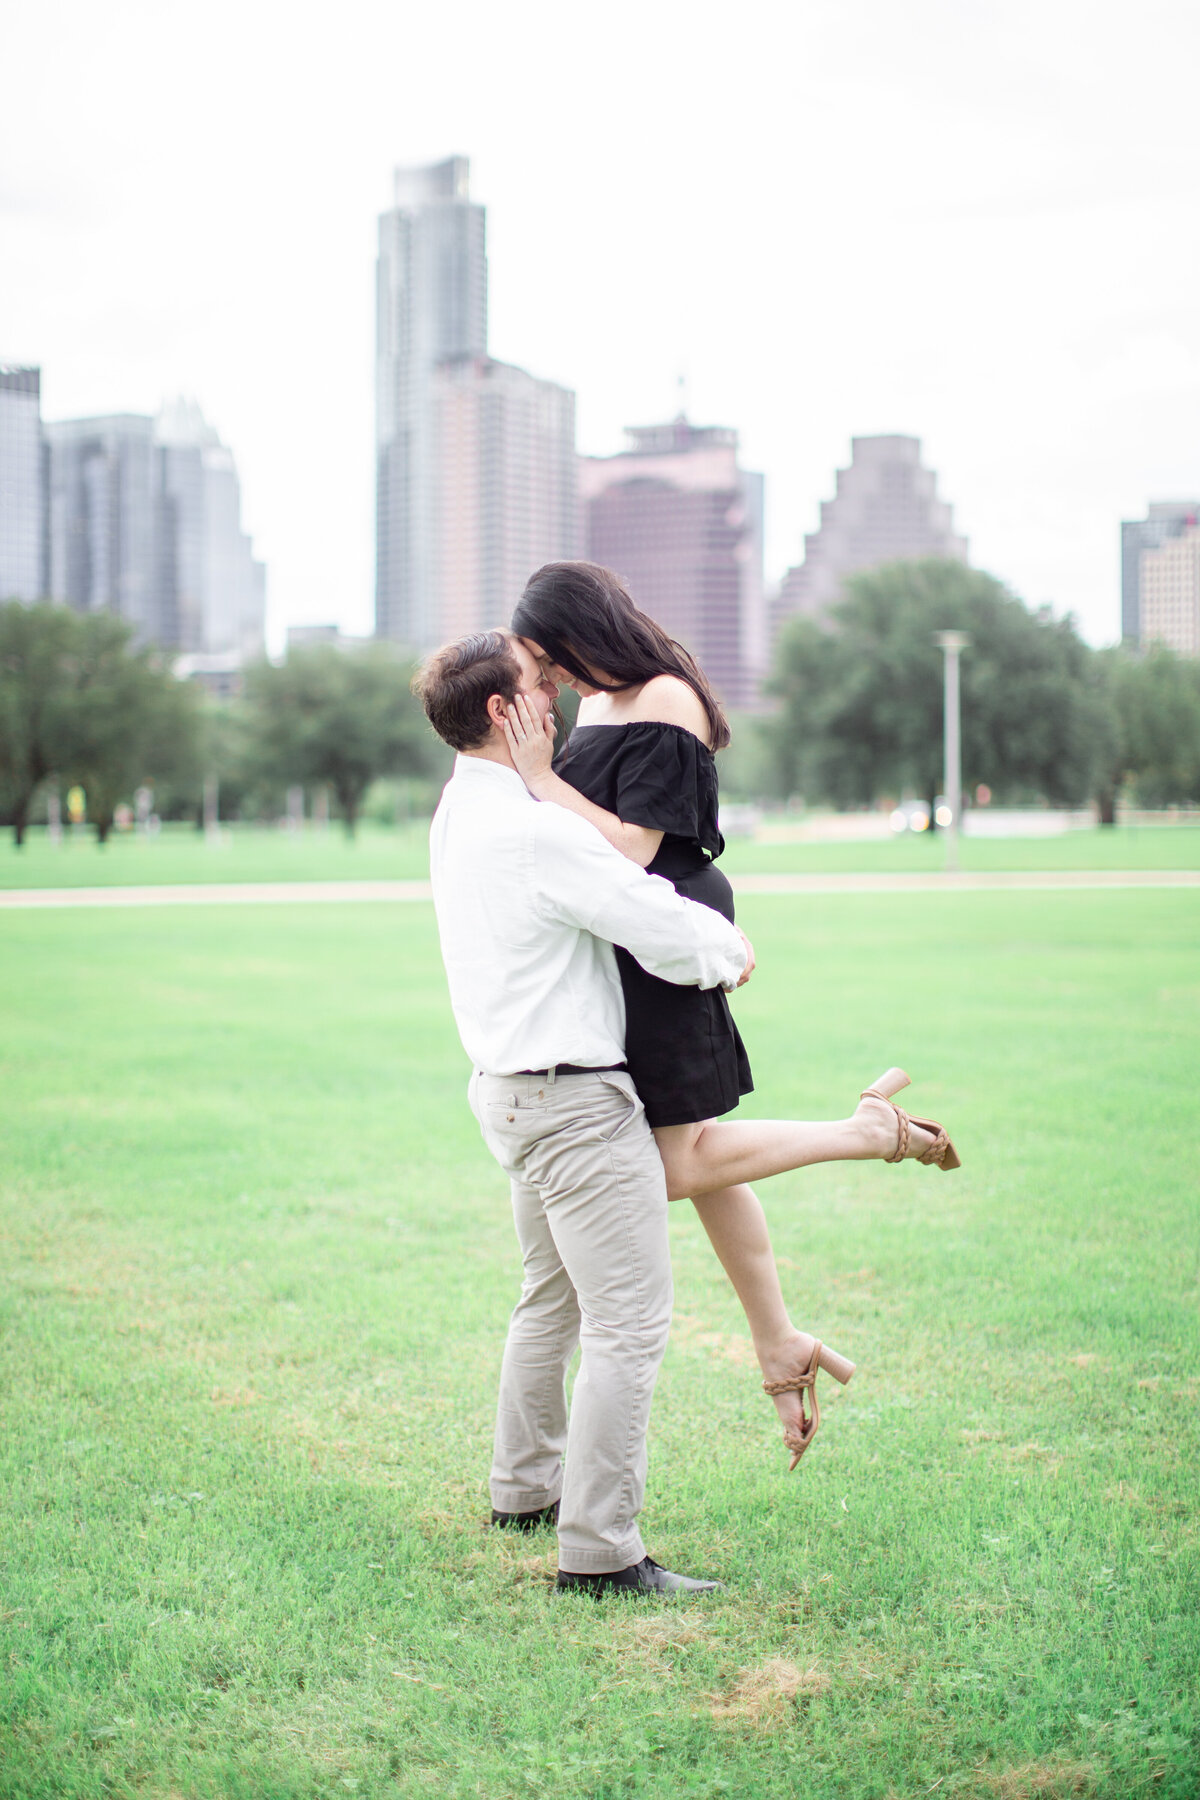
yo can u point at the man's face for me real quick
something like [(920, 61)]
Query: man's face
[(535, 683)]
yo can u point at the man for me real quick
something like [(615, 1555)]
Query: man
[(530, 900)]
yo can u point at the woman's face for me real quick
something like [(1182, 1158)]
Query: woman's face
[(556, 673)]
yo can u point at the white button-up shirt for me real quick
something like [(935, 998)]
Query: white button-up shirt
[(530, 900)]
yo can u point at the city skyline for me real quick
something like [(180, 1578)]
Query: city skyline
[(957, 226)]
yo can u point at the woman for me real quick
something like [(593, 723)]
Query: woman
[(640, 767)]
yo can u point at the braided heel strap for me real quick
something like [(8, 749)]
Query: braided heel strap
[(810, 1417), (902, 1121), (936, 1152)]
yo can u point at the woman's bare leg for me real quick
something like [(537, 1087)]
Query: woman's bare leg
[(737, 1229), (717, 1154)]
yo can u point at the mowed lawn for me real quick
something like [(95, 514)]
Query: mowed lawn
[(180, 854), (257, 1268)]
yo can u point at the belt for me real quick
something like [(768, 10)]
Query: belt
[(574, 1069)]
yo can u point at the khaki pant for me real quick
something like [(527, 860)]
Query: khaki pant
[(590, 1205)]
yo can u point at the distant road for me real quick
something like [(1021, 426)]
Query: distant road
[(308, 893)]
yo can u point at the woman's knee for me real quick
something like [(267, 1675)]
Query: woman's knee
[(679, 1147)]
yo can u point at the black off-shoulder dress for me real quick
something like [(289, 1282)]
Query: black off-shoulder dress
[(684, 1051)]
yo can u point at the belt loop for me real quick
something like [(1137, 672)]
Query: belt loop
[(551, 1072)]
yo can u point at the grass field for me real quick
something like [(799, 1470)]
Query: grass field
[(253, 853), (257, 1270)]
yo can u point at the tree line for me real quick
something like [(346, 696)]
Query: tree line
[(857, 712), (81, 705), (1044, 716)]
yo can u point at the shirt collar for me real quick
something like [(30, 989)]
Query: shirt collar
[(476, 769)]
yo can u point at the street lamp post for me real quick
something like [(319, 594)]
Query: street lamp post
[(952, 642)]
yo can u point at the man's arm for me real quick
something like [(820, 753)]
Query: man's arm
[(581, 878)]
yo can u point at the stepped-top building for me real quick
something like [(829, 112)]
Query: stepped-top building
[(678, 518), (885, 509)]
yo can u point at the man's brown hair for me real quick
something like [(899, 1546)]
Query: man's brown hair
[(455, 684)]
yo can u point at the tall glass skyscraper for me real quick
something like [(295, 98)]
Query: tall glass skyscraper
[(22, 512), (145, 522), (213, 590), (431, 301), (103, 538), (476, 475)]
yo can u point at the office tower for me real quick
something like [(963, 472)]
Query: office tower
[(681, 522), (213, 590), (1169, 591), (885, 509), (431, 304), (1164, 519), (102, 527), (144, 522), (22, 504), (505, 488)]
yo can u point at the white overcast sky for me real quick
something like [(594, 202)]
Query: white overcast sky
[(972, 222)]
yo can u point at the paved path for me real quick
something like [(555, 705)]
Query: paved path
[(292, 893)]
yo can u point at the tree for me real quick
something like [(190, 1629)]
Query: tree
[(36, 715), (862, 701), (77, 702), (133, 722), (1152, 703), (335, 716)]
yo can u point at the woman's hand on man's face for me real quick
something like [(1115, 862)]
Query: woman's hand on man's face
[(530, 741)]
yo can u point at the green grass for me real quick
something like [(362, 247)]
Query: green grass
[(257, 1273), (1118, 847), (255, 853), (245, 853)]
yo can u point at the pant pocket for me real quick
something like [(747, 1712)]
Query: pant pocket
[(622, 1086)]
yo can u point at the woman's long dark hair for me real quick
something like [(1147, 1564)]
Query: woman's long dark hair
[(585, 618)]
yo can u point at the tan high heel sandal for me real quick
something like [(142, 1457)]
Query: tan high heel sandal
[(840, 1367), (941, 1154)]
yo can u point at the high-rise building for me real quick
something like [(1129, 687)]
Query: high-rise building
[(431, 304), (213, 590), (885, 509), (1169, 587), (103, 532), (1164, 519), (144, 522), (505, 485), (475, 477), (22, 498), (677, 517)]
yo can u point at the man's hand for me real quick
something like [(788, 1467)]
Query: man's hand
[(748, 971), (530, 741)]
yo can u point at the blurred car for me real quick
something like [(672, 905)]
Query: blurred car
[(910, 815)]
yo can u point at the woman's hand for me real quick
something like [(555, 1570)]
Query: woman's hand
[(748, 971), (530, 742)]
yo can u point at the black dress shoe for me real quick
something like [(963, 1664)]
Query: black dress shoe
[(528, 1521), (645, 1577)]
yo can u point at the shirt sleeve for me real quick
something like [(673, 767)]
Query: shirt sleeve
[(580, 878)]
